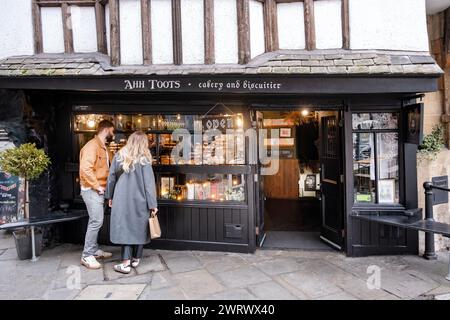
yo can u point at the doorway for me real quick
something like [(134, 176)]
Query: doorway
[(296, 200)]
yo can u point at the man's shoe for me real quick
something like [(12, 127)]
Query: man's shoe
[(90, 262), (100, 254)]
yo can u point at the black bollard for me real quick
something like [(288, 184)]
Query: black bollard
[(429, 253)]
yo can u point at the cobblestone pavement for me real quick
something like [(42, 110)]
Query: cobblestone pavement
[(267, 274)]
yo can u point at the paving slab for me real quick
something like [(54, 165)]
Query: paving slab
[(198, 284), (61, 294), (6, 240), (136, 279), (338, 296), (183, 263), (150, 263), (242, 277), (232, 294), (77, 276), (169, 293), (162, 280), (270, 291), (407, 284), (279, 266), (111, 292), (222, 264), (9, 254), (311, 284)]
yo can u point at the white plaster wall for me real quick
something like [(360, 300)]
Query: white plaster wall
[(291, 25), (387, 24), (130, 32), (52, 30), (328, 24), (161, 26), (83, 29), (225, 31), (16, 28), (192, 31), (108, 28), (256, 28)]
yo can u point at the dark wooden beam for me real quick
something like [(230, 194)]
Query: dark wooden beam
[(310, 32), (114, 21), (146, 31), (345, 25), (243, 21), (209, 31), (37, 28), (100, 25), (67, 28), (270, 25), (58, 3), (176, 29)]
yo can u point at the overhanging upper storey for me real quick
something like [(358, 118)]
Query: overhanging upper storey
[(209, 32), (283, 71)]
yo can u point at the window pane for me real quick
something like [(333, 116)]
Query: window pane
[(364, 167), (387, 165), (367, 121), (213, 187)]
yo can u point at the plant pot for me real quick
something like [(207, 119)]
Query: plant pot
[(23, 243)]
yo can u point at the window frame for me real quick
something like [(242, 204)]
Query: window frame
[(399, 130)]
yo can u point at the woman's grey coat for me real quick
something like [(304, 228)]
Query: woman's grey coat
[(133, 195)]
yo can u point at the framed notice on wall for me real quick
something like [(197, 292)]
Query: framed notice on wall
[(414, 123), (386, 191)]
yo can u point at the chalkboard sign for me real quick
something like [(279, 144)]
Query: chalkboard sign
[(9, 197)]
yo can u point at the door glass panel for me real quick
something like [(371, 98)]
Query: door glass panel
[(364, 167), (387, 165), (369, 121)]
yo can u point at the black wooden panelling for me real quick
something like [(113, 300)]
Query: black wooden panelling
[(202, 223), (373, 238)]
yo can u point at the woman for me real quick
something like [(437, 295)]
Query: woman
[(132, 196)]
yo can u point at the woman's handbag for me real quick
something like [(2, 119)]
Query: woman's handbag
[(155, 229)]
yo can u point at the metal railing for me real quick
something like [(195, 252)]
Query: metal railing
[(430, 253)]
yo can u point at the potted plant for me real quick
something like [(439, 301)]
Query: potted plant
[(28, 163)]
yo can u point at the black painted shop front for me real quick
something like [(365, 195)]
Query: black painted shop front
[(227, 214)]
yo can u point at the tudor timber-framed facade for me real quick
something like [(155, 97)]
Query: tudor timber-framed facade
[(244, 56)]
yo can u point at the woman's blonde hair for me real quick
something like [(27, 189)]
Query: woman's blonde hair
[(135, 151)]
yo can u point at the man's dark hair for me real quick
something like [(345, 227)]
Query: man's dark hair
[(104, 124)]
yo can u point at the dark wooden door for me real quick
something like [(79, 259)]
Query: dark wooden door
[(331, 181), (259, 191)]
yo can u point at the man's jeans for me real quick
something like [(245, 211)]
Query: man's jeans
[(95, 206)]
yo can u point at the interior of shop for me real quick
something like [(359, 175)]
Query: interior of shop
[(292, 212)]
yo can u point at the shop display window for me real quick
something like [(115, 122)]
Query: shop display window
[(376, 158), (215, 140), (225, 148), (193, 186)]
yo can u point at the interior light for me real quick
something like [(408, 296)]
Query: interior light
[(305, 112), (178, 116), (91, 123)]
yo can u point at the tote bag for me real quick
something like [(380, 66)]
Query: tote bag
[(155, 229)]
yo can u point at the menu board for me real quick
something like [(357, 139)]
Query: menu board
[(9, 197)]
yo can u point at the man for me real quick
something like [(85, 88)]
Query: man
[(95, 159)]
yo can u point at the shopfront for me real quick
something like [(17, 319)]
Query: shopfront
[(337, 145)]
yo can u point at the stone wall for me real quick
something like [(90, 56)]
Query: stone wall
[(435, 106)]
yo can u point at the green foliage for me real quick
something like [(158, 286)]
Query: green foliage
[(433, 143), (26, 161)]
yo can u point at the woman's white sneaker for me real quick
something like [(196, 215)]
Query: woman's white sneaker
[(90, 262), (122, 268), (135, 262)]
